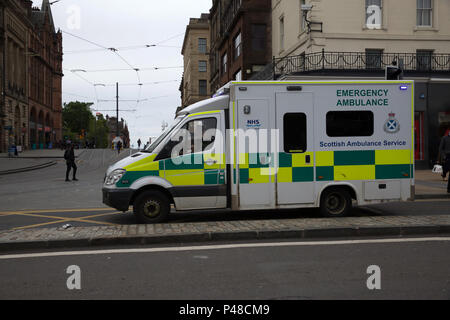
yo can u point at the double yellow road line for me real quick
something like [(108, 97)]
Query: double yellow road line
[(60, 219)]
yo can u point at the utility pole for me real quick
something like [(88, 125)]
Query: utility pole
[(117, 109), (3, 108)]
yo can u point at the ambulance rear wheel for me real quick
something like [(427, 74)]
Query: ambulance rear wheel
[(335, 202), (151, 207)]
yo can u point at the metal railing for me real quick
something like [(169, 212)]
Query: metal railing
[(421, 62)]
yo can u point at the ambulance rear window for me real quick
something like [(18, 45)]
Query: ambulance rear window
[(350, 123), (294, 132)]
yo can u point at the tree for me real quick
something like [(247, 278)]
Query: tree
[(78, 120), (77, 116), (98, 132)]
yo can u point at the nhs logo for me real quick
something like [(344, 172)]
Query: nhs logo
[(253, 124)]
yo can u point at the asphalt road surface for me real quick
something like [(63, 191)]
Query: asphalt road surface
[(303, 270), (47, 189)]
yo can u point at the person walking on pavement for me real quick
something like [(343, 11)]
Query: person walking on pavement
[(69, 156), (119, 146), (444, 151), (139, 144)]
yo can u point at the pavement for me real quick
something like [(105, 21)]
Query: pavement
[(30, 160), (428, 186)]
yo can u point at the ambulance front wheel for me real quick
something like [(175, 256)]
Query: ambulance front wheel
[(335, 202), (151, 207)]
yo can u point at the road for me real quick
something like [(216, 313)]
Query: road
[(302, 270), (46, 188)]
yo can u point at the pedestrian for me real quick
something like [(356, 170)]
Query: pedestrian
[(119, 146), (444, 152), (69, 156), (139, 144)]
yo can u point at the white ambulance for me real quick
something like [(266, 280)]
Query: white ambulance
[(270, 145)]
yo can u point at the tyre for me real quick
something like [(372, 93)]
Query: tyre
[(151, 207), (335, 202)]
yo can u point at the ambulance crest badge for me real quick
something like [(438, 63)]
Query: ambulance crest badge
[(392, 125)]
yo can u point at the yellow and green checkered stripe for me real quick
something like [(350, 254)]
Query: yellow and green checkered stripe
[(292, 168), (363, 165), (188, 170), (330, 166), (252, 170)]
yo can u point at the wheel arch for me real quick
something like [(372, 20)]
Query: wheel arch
[(346, 186), (150, 188)]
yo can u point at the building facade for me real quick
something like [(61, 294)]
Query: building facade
[(31, 60), (240, 39), (113, 126), (195, 83), (357, 39)]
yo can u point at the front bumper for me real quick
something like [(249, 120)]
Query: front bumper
[(117, 198)]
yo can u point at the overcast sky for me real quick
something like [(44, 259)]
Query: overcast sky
[(131, 25)]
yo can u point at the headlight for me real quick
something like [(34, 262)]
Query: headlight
[(114, 176)]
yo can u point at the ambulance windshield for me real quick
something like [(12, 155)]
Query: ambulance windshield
[(153, 146)]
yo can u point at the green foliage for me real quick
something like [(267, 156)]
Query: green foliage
[(76, 116), (78, 119)]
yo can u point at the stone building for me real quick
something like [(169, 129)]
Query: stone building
[(357, 39), (195, 51), (240, 39), (31, 76), (124, 134)]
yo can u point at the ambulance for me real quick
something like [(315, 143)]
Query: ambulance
[(272, 145)]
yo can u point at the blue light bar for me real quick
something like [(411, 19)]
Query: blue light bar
[(403, 88), (222, 92)]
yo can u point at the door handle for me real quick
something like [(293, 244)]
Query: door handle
[(210, 162), (308, 159)]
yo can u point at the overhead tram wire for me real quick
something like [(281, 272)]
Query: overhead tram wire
[(75, 72), (133, 69), (114, 50), (144, 46)]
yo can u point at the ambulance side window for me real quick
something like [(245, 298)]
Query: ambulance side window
[(294, 132), (203, 125), (350, 123)]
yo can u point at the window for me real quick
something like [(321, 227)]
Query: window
[(424, 59), (374, 14), (237, 46), (202, 66), (294, 132), (302, 16), (350, 123), (202, 126), (202, 88), (224, 63), (424, 13), (259, 37), (281, 33), (238, 76), (202, 45), (373, 58)]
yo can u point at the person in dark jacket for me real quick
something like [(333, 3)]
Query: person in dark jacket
[(69, 155), (444, 151)]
